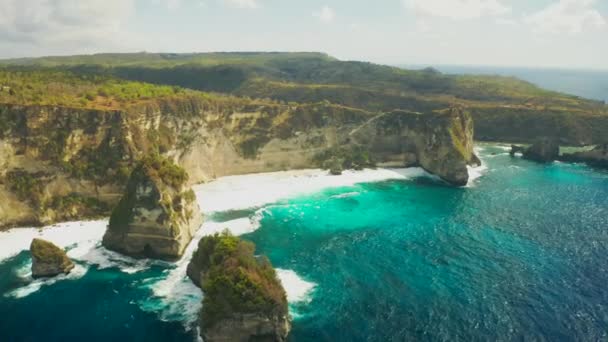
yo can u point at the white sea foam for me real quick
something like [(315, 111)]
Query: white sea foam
[(82, 240), (476, 172), (175, 297), (35, 284), (347, 194), (256, 190), (79, 237), (297, 289)]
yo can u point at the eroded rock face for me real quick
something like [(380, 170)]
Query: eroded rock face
[(598, 157), (440, 142), (248, 327), (244, 300), (158, 214), (516, 149), (49, 260), (86, 155), (544, 150)]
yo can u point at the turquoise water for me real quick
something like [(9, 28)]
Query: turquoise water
[(519, 256)]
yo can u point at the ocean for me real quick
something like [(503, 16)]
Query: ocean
[(377, 255)]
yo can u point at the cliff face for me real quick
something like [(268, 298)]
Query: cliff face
[(62, 163), (158, 214), (439, 142), (598, 157), (567, 127)]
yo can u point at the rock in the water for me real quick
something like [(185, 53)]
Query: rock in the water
[(157, 216), (49, 260), (516, 149), (544, 150), (244, 300), (598, 157)]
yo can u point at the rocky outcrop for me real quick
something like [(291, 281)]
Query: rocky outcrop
[(516, 149), (248, 327), (440, 142), (598, 157), (89, 154), (244, 300), (543, 150), (48, 260), (158, 214)]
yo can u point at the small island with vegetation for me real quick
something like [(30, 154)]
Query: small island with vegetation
[(244, 300)]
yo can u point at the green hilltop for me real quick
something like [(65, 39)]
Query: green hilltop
[(504, 108)]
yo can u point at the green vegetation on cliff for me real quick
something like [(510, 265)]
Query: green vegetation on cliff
[(27, 186), (41, 86), (235, 281), (346, 157), (155, 171), (503, 104)]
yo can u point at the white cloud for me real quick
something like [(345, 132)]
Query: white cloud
[(457, 9), (326, 15), (62, 21), (242, 3), (506, 22), (567, 16), (173, 4)]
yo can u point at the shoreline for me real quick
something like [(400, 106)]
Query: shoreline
[(234, 192), (225, 194)]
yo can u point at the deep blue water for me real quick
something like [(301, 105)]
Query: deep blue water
[(519, 256)]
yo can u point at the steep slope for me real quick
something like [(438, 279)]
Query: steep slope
[(72, 159)]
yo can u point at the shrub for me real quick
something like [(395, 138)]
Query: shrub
[(235, 281)]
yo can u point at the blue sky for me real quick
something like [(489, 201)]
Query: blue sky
[(550, 33)]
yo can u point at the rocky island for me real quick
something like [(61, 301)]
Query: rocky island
[(158, 214), (543, 150), (244, 300), (48, 260)]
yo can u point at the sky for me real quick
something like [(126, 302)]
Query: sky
[(535, 33)]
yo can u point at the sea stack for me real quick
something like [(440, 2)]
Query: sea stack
[(244, 300), (544, 150), (48, 260), (158, 214)]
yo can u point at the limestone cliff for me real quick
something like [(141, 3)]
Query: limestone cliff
[(244, 300), (598, 157), (48, 260), (440, 142), (158, 214), (53, 156)]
